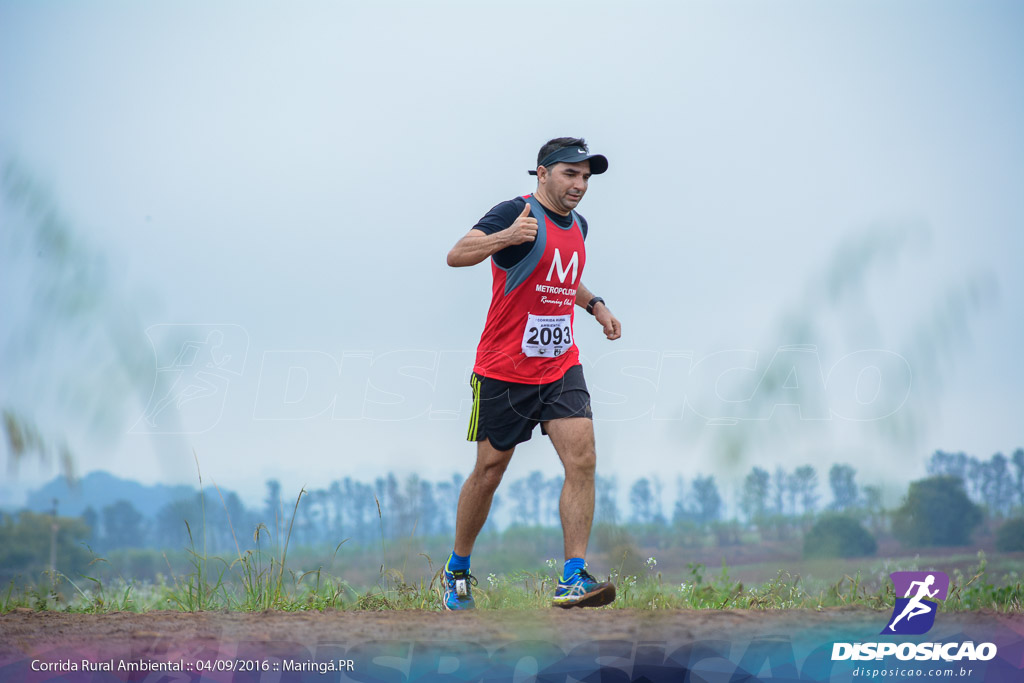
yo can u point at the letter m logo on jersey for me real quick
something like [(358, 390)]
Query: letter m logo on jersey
[(556, 264), (914, 612)]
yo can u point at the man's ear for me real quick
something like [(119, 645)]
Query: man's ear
[(542, 173)]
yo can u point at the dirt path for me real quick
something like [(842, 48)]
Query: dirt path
[(395, 646)]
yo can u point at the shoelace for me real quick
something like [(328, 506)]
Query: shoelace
[(584, 574), (463, 576)]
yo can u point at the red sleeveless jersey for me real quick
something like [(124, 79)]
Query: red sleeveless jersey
[(528, 337)]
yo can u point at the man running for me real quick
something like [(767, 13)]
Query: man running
[(527, 369), (917, 606)]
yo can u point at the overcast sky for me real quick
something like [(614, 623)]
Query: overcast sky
[(830, 192)]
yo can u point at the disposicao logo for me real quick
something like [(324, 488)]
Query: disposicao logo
[(914, 613)]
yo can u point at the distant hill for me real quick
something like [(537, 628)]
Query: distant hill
[(100, 489)]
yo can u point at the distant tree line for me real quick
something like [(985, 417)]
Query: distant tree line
[(996, 484), (778, 505)]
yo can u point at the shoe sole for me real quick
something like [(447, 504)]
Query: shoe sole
[(605, 595), (446, 608)]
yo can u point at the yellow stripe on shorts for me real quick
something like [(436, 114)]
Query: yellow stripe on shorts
[(474, 417)]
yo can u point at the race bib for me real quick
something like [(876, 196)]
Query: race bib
[(547, 335)]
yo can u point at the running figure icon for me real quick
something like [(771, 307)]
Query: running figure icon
[(917, 606), (193, 371)]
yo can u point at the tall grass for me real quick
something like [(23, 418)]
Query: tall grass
[(254, 585), (259, 579), (194, 592)]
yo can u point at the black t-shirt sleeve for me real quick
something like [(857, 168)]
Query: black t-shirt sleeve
[(504, 215), (499, 218)]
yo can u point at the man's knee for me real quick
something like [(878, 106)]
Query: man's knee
[(491, 474), (581, 462), (491, 466)]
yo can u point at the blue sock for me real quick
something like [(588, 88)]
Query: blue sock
[(457, 563), (572, 565)]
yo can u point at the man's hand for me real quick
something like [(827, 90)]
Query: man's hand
[(523, 229), (612, 326), (477, 245)]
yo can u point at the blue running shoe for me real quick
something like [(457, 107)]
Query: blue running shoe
[(458, 591), (583, 590)]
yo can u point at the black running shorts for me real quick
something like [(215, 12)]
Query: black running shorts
[(506, 412)]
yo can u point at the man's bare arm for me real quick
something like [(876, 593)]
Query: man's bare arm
[(612, 326), (583, 296), (477, 245)]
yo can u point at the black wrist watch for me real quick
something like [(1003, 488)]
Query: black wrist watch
[(593, 302)]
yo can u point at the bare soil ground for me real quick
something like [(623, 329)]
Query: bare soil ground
[(25, 633)]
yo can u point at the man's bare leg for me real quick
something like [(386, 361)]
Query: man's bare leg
[(477, 493), (573, 438)]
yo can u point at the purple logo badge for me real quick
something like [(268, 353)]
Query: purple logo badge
[(914, 612)]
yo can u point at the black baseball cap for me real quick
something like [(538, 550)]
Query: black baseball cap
[(573, 154)]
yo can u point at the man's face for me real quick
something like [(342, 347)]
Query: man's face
[(565, 184)]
